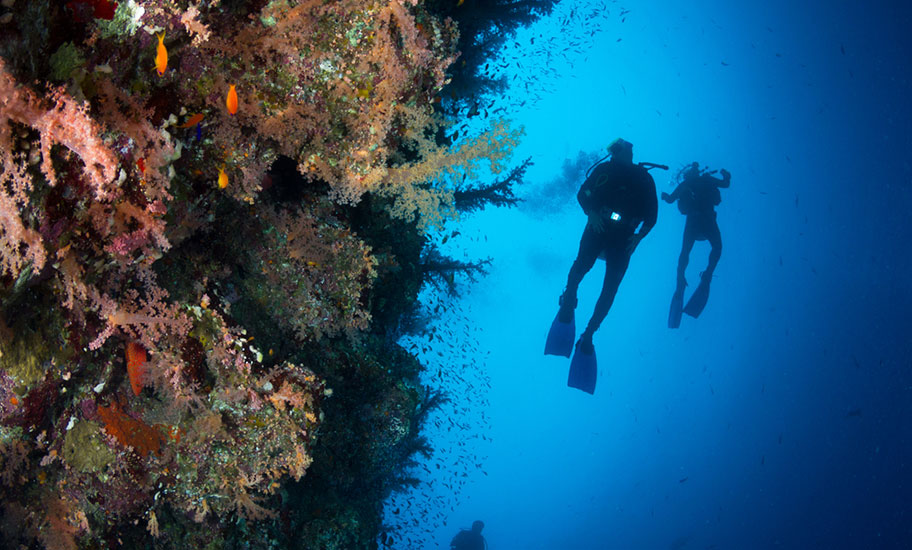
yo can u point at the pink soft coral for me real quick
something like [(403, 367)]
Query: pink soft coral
[(62, 121)]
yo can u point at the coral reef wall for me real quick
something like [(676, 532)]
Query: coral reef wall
[(211, 215)]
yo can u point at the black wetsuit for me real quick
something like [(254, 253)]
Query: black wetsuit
[(697, 198), (625, 194)]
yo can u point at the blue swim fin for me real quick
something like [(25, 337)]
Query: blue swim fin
[(698, 299), (583, 368), (674, 313), (561, 336)]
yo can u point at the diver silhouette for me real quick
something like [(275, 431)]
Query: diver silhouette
[(617, 196), (467, 539), (697, 195)]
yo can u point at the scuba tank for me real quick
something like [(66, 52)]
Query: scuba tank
[(696, 195)]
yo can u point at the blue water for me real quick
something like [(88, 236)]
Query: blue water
[(782, 417)]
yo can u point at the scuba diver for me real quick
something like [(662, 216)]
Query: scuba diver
[(617, 196), (697, 195), (470, 540)]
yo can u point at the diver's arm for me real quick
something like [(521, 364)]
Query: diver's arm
[(584, 197), (590, 201), (586, 194), (652, 207), (594, 213), (673, 196), (725, 181)]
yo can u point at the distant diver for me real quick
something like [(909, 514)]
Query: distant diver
[(617, 196), (470, 539), (697, 195)]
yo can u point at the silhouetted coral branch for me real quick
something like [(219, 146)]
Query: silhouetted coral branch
[(441, 270), (499, 193)]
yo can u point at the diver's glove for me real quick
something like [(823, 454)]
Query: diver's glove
[(667, 198), (597, 222), (725, 174)]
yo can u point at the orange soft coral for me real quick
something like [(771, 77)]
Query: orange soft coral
[(136, 359), (130, 432)]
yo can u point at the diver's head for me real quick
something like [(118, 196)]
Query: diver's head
[(477, 526), (692, 171), (621, 151)]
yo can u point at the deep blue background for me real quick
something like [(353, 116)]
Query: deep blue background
[(782, 418)]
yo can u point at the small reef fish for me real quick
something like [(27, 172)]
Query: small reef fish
[(161, 56), (232, 101), (222, 179), (141, 164), (192, 121)]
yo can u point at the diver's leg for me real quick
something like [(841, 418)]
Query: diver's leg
[(709, 231), (563, 329), (616, 264), (588, 252), (677, 299), (684, 258), (715, 241)]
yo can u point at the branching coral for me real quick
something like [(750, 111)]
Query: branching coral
[(58, 120)]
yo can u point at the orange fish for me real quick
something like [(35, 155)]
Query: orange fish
[(232, 101), (161, 56), (222, 179), (192, 121), (136, 358), (141, 164)]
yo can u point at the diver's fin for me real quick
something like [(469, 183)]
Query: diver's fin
[(583, 368), (674, 313), (561, 335), (698, 299)]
